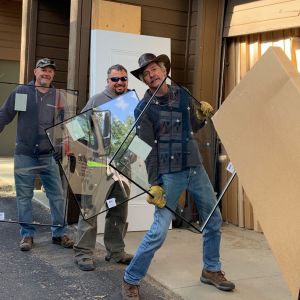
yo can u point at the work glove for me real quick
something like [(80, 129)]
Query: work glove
[(158, 196), (203, 110)]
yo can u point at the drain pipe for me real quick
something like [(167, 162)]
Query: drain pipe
[(187, 43)]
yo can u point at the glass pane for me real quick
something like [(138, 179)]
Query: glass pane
[(24, 115), (165, 140), (88, 141)]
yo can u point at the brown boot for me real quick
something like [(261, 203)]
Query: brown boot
[(125, 259), (26, 243), (63, 241), (130, 291), (217, 279)]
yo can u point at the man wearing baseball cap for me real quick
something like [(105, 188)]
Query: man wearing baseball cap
[(174, 165), (35, 105)]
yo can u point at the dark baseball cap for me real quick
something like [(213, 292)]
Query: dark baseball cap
[(45, 62)]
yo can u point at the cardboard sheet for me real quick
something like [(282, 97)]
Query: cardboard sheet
[(259, 125)]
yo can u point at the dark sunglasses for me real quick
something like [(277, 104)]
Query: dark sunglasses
[(116, 79)]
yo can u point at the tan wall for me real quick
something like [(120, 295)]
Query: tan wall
[(10, 29)]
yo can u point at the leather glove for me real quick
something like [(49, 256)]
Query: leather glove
[(205, 110), (158, 196)]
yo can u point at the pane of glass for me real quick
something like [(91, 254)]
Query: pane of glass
[(87, 142), (165, 140), (29, 113)]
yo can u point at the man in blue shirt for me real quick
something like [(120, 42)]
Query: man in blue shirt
[(33, 152)]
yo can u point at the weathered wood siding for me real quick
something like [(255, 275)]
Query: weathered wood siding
[(10, 29), (52, 35), (247, 17), (166, 19)]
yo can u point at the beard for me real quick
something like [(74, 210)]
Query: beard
[(121, 91), (44, 82)]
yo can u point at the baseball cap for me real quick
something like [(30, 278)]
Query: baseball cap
[(45, 62)]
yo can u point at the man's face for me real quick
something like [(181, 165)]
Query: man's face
[(44, 76), (118, 81), (153, 75)]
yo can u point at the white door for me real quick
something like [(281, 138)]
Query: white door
[(109, 48)]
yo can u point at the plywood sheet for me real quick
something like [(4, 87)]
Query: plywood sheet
[(259, 125), (119, 17)]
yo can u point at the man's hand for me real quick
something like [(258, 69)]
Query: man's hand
[(205, 110), (158, 196)]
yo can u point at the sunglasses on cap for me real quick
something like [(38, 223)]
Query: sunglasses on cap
[(44, 62), (116, 79)]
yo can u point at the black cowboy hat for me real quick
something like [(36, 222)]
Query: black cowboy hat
[(148, 58)]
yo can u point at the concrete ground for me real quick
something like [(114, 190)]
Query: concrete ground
[(48, 271), (246, 259), (245, 255)]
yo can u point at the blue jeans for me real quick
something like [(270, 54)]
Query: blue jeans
[(25, 169), (196, 181)]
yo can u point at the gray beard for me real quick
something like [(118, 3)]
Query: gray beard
[(119, 93)]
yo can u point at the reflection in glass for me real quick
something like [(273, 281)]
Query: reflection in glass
[(88, 140), (163, 141), (58, 105)]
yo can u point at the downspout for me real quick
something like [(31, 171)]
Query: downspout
[(187, 43)]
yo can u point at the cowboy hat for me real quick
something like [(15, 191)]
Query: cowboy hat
[(148, 58)]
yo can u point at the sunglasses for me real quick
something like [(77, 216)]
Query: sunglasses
[(116, 79)]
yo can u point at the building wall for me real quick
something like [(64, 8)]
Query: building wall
[(52, 36), (10, 29), (166, 19), (242, 53), (10, 41)]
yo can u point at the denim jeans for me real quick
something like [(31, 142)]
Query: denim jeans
[(196, 181), (25, 170)]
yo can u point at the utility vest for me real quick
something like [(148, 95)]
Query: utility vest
[(173, 131)]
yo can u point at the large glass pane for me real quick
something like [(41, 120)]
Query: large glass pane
[(88, 141), (164, 140), (29, 113)]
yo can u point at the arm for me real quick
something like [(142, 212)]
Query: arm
[(145, 131), (7, 111), (200, 111)]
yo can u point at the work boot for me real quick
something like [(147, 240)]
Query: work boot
[(26, 243), (124, 260), (217, 279), (85, 263), (130, 291), (63, 241)]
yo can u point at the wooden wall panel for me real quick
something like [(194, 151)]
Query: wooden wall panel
[(166, 19), (117, 17), (52, 37), (248, 17), (206, 72), (10, 29)]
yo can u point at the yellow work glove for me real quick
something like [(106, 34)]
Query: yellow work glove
[(158, 196), (203, 110)]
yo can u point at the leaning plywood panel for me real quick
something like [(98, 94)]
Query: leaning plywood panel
[(259, 125)]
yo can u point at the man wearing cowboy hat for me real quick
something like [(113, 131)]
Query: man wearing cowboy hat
[(174, 165)]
